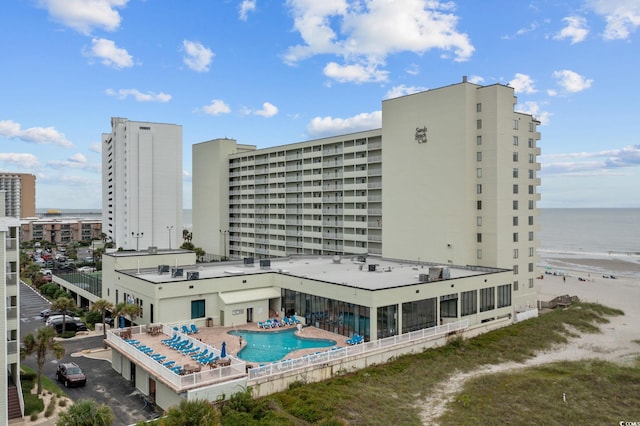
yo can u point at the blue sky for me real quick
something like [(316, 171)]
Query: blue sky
[(276, 72)]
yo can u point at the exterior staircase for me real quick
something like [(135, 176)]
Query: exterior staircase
[(15, 412)]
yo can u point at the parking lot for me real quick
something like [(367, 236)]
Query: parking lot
[(103, 384)]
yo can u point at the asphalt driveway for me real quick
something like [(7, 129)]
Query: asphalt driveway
[(103, 384)]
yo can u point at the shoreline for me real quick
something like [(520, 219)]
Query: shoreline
[(619, 266)]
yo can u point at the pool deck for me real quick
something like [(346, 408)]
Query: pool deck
[(214, 336)]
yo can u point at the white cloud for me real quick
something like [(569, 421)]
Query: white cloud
[(367, 32), (84, 15), (328, 126), (96, 147), (198, 57), (138, 95), (268, 110), (22, 160), (534, 109), (39, 135), (245, 7), (475, 79), (216, 107), (571, 81), (576, 29), (76, 161), (622, 16), (111, 55), (402, 90), (589, 163), (523, 83), (354, 73)]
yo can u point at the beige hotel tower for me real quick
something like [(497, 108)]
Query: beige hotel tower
[(449, 179)]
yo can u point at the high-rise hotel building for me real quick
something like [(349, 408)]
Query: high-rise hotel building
[(20, 194), (142, 184), (449, 179), (11, 404)]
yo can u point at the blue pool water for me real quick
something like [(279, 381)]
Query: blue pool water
[(275, 345)]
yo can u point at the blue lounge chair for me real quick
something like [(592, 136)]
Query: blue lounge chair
[(286, 321), (168, 364), (260, 324), (185, 330), (199, 355), (190, 351), (173, 339), (194, 329), (177, 369)]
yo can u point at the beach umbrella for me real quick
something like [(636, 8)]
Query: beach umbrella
[(223, 351)]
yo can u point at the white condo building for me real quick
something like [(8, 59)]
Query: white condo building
[(449, 179), (11, 405), (142, 184)]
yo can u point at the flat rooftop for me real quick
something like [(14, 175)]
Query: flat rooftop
[(374, 273)]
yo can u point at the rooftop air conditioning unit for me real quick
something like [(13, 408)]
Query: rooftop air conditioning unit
[(152, 249), (372, 267), (193, 275), (176, 272), (265, 263), (248, 261), (423, 278), (162, 269)]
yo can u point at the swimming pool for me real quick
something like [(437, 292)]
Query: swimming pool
[(275, 345)]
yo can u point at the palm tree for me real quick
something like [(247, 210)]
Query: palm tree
[(102, 306), (192, 413), (41, 344), (86, 412), (63, 304), (185, 234), (132, 310)]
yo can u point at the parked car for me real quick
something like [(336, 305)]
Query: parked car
[(68, 318), (86, 269), (73, 325), (71, 374), (46, 313)]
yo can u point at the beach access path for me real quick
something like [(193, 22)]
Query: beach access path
[(617, 342)]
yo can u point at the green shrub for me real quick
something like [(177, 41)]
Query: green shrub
[(51, 407), (49, 290), (32, 404), (93, 317)]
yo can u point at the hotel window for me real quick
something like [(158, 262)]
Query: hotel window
[(532, 158), (515, 269), (530, 282), (469, 302), (515, 124), (487, 299), (504, 295), (531, 143), (479, 156), (479, 220), (530, 267), (515, 157), (515, 221), (532, 127), (515, 172), (515, 204), (479, 188), (515, 237), (515, 286), (478, 124), (515, 141), (530, 235), (478, 140), (515, 188), (479, 205), (479, 172), (515, 253), (479, 254), (531, 205), (532, 174), (531, 190), (449, 306), (478, 107), (530, 220), (479, 237), (531, 251), (197, 309)]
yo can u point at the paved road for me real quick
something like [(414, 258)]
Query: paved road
[(103, 384)]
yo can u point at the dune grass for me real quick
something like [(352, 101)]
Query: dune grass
[(390, 393)]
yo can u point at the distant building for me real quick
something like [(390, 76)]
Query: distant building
[(20, 194), (450, 178), (11, 404), (61, 230), (142, 184)]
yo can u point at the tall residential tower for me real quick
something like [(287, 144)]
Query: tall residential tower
[(449, 179), (20, 194), (142, 184)]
